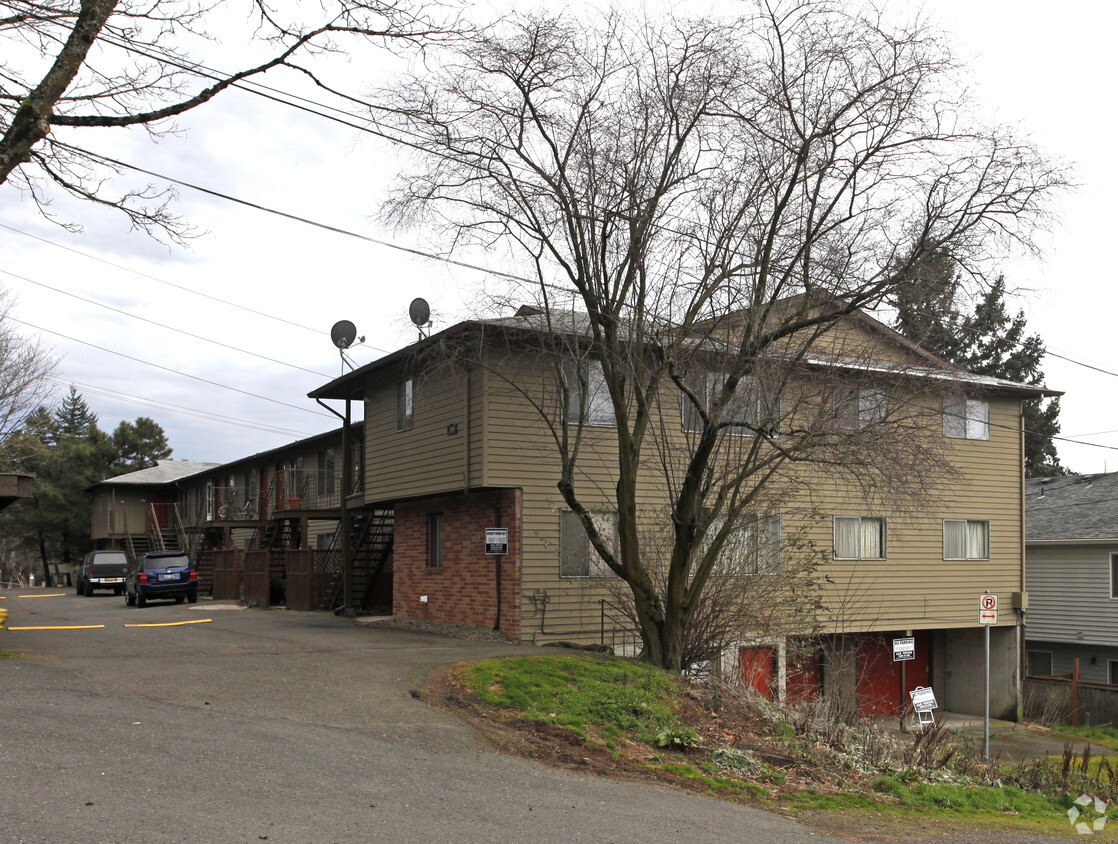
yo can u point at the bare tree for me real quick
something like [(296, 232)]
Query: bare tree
[(85, 64), (25, 366), (697, 205)]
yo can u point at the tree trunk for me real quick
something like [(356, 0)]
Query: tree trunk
[(47, 579)]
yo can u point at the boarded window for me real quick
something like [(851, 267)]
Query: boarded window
[(577, 556)]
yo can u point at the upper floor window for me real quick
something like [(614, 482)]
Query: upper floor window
[(589, 399), (577, 555), (1114, 575), (860, 408), (405, 405), (749, 408), (859, 538), (967, 419), (325, 476), (966, 539), (752, 546)]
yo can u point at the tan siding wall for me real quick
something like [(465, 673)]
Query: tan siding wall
[(1069, 594), (426, 459)]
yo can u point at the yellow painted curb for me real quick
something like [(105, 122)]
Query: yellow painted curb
[(48, 595), (73, 627), (173, 623)]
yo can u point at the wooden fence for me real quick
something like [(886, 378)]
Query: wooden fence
[(1064, 699)]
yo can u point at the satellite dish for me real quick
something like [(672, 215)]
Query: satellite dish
[(343, 333), (420, 312)]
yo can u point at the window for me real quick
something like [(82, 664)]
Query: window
[(859, 538), (860, 409), (589, 400), (1039, 664), (1112, 671), (405, 405), (966, 419), (753, 546), (750, 408), (577, 557), (326, 472), (966, 540), (434, 540), (324, 541), (1114, 575)]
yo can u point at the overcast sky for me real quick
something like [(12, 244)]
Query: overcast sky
[(266, 289)]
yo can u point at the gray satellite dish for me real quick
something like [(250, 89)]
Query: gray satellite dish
[(343, 333), (420, 312)]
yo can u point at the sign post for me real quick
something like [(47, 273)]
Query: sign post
[(987, 615)]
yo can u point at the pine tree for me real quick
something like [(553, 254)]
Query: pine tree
[(987, 342)]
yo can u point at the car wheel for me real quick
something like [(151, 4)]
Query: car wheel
[(80, 588), (141, 601), (192, 597), (129, 599), (89, 590)]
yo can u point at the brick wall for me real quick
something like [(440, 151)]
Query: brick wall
[(464, 590)]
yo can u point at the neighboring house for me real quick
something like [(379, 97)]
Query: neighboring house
[(453, 448), (1072, 568)]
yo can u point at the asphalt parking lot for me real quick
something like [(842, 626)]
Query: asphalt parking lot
[(210, 722)]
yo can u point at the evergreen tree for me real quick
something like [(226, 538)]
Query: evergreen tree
[(139, 445), (987, 342), (68, 452)]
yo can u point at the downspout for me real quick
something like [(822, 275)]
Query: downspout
[(347, 563), (1021, 650)]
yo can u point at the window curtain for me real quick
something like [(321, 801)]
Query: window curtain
[(847, 533), (954, 539), (978, 540), (873, 544)]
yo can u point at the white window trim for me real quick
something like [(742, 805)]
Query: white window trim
[(749, 408), (966, 419), (764, 527), (967, 523), (884, 538), (1113, 558), (600, 412), (405, 404)]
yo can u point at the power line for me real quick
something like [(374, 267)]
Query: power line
[(168, 369), (163, 325), (181, 287), (183, 411)]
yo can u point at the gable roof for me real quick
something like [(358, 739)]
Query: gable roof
[(163, 472), (1076, 508), (532, 320)]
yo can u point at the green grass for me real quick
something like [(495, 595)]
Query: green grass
[(972, 799), (1098, 736), (712, 782), (582, 693)]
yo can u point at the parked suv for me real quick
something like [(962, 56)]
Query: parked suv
[(161, 575), (102, 570)]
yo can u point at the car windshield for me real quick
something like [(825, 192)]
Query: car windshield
[(176, 561), (119, 559)]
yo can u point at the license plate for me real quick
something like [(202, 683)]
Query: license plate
[(168, 577)]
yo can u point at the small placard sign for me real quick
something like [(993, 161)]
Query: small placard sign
[(904, 648), (923, 699), (496, 540)]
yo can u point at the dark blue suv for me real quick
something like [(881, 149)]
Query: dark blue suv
[(161, 575)]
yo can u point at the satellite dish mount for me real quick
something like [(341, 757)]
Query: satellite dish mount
[(342, 335)]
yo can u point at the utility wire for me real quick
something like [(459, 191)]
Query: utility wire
[(168, 369), (183, 411), (162, 325), (181, 287)]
